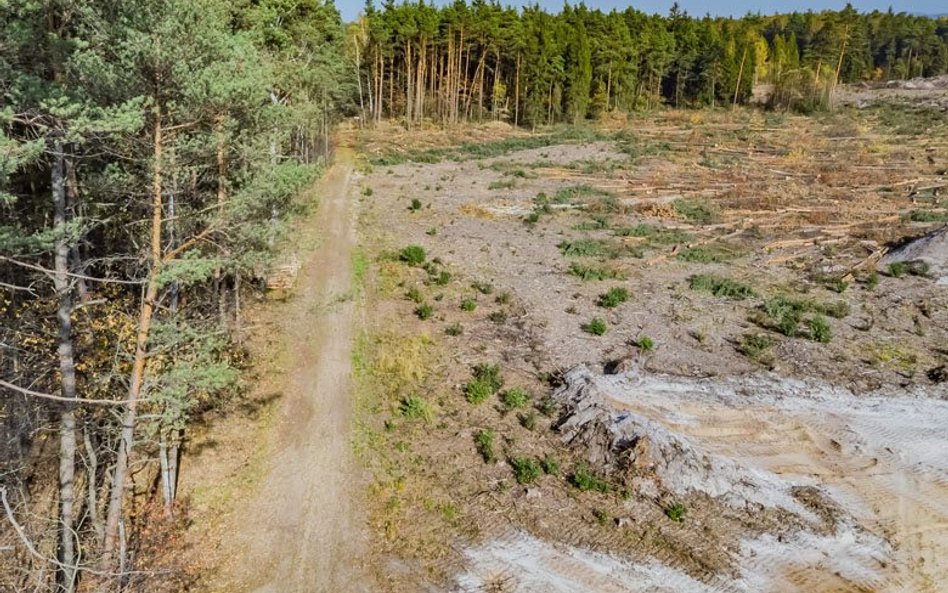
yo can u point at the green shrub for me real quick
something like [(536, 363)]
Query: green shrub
[(487, 381), (594, 273), (645, 344), (484, 441), (413, 255), (820, 330), (584, 248), (415, 205), (532, 218), (928, 216), (526, 470), (424, 311), (676, 512), (503, 298), (872, 280), (583, 479), (912, 268), (483, 287), (441, 278), (431, 232), (367, 191), (414, 294), (497, 316), (614, 297), (415, 408), (720, 286), (528, 420), (515, 398), (656, 234), (455, 329), (755, 346), (595, 326), (550, 465), (502, 184), (601, 516), (697, 211), (594, 224), (707, 254), (468, 305)]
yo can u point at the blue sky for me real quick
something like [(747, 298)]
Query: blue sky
[(350, 8)]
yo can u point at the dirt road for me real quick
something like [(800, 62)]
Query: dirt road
[(301, 530)]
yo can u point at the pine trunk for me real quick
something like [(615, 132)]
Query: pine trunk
[(67, 371)]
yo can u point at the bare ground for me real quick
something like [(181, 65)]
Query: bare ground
[(802, 208), (290, 518)]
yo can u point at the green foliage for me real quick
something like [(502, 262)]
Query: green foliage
[(367, 191), (784, 314), (415, 205), (455, 329), (912, 268), (497, 316), (706, 254), (487, 381), (413, 255), (586, 481), (645, 344), (547, 406), (502, 184), (656, 234), (928, 216), (696, 211), (503, 298), (595, 326), (414, 407), (424, 311), (720, 286), (755, 346), (613, 297), (676, 512), (820, 330), (515, 398), (550, 465), (484, 441), (483, 287), (414, 295), (594, 273), (529, 420), (468, 305), (526, 470)]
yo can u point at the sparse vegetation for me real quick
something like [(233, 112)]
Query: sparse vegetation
[(468, 305), (755, 346), (415, 205), (676, 512), (720, 286), (413, 255), (484, 441), (696, 211), (586, 481), (414, 407), (514, 398), (614, 297), (594, 273), (550, 465), (911, 268), (645, 344), (707, 254), (455, 329), (424, 311), (526, 470), (595, 326), (487, 381)]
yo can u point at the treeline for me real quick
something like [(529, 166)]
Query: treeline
[(150, 152), (486, 61)]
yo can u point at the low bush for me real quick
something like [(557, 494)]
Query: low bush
[(414, 294), (645, 344), (455, 329), (720, 286), (755, 346), (696, 211), (515, 398), (594, 273), (708, 254), (613, 298), (468, 305), (585, 481), (820, 330), (911, 268), (424, 311), (415, 205), (595, 326), (415, 408), (484, 441), (487, 381), (676, 512), (526, 470), (413, 255), (550, 465)]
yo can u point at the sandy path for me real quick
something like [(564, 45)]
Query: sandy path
[(302, 530)]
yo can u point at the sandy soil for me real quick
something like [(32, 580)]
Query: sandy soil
[(300, 528)]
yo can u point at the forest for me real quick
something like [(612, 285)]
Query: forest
[(482, 60), (152, 153)]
